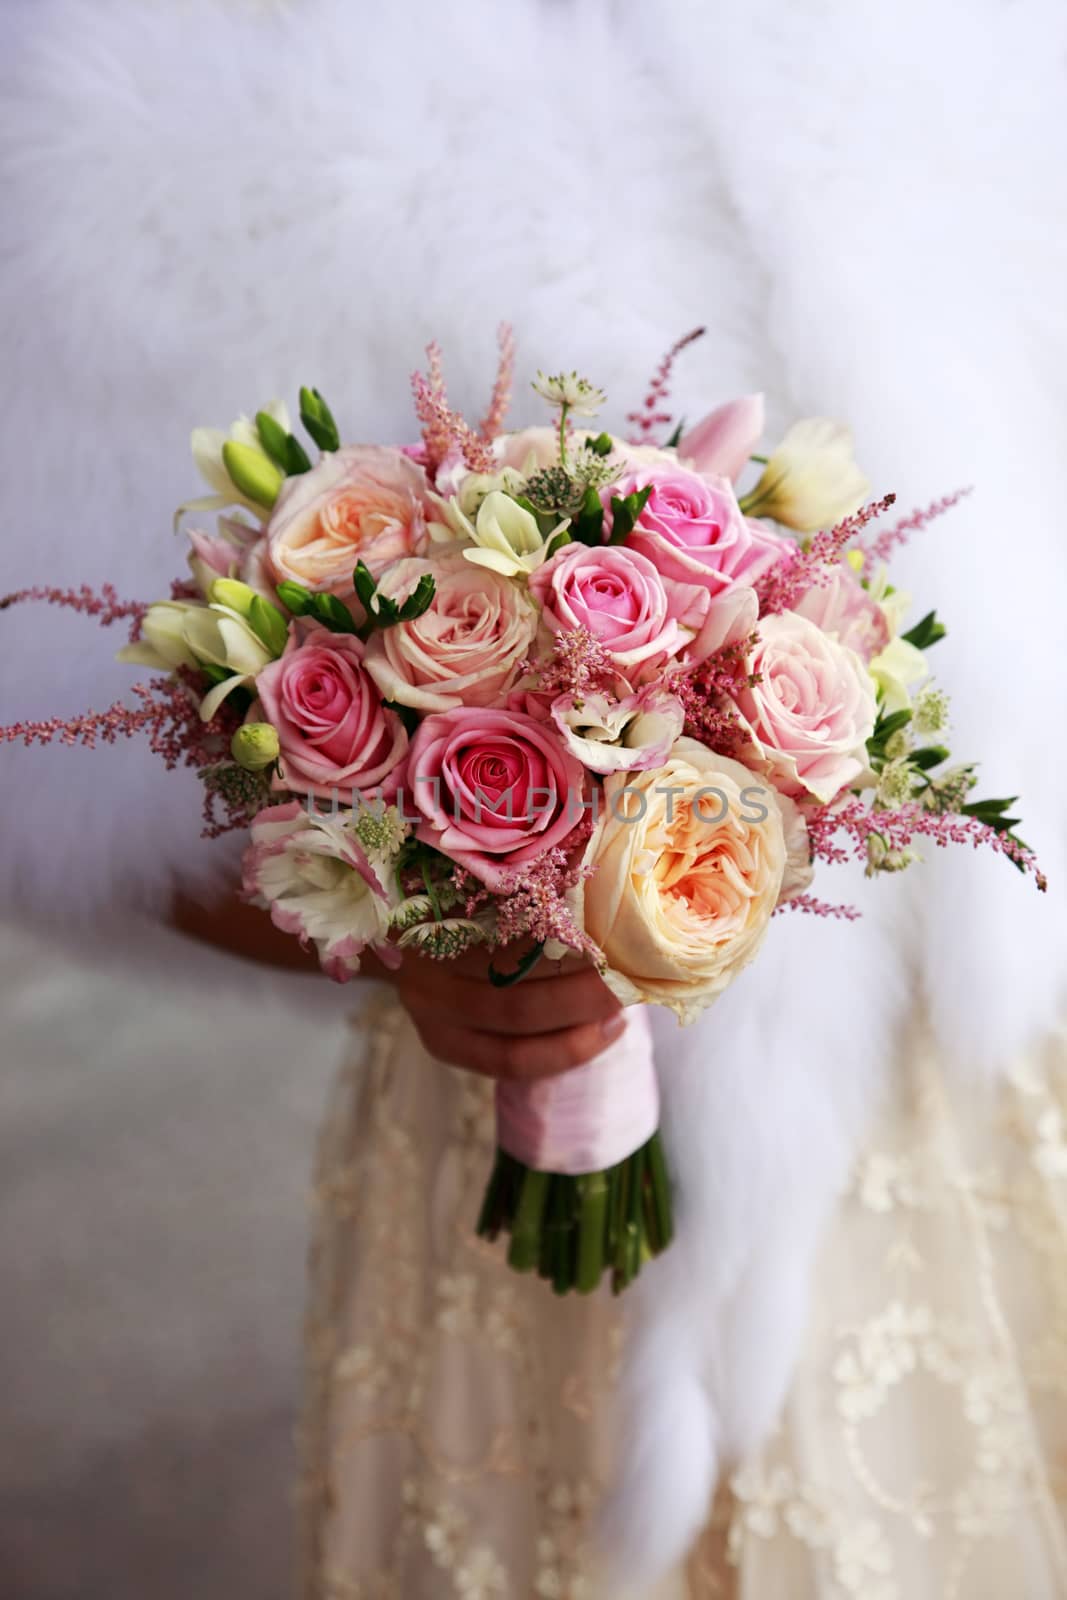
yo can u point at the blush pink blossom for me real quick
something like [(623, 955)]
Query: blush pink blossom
[(315, 878), (723, 441), (617, 595), (362, 503), (335, 733), (842, 607), (810, 709), (493, 789)]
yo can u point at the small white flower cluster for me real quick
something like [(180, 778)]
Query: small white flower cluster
[(568, 389)]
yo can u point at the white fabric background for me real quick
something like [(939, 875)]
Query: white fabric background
[(155, 1145)]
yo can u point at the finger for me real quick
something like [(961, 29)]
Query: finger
[(524, 1058), (567, 1002)]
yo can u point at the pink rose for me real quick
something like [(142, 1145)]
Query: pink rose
[(617, 595), (812, 709), (843, 608), (465, 650), (494, 789), (694, 533), (334, 732), (363, 503)]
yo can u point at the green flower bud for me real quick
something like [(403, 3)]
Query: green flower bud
[(229, 592), (252, 472), (255, 746)]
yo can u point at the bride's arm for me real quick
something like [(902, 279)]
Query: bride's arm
[(559, 1016)]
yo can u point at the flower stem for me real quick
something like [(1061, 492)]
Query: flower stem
[(593, 1206), (571, 1230), (525, 1250)]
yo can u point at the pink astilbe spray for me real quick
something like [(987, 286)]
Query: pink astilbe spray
[(894, 830), (647, 422), (103, 605), (579, 665), (818, 908), (442, 428), (533, 905), (882, 547), (168, 714), (500, 399), (708, 697), (809, 566)]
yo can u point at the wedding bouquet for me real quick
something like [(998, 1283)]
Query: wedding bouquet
[(556, 691)]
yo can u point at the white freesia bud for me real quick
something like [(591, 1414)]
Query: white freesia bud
[(163, 644), (896, 670), (208, 445), (811, 480), (476, 485), (218, 637), (254, 746), (507, 537)]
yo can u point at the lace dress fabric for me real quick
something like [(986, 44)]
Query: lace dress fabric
[(456, 1434)]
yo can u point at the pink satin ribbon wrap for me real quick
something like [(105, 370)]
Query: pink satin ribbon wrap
[(589, 1118)]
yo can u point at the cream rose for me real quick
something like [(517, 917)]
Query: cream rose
[(466, 649), (689, 862)]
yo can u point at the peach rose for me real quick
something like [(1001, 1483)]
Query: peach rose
[(465, 650), (811, 709), (365, 503), (689, 862)]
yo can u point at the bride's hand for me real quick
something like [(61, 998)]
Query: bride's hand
[(556, 1017)]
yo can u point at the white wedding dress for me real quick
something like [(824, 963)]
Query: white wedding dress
[(457, 1436)]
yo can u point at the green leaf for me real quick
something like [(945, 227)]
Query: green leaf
[(925, 632), (332, 613), (588, 526), (602, 445), (992, 812), (420, 599), (283, 448), (887, 726), (561, 538), (930, 755), (215, 674), (317, 418), (625, 513), (268, 624), (676, 437), (973, 807), (294, 597), (365, 585), (504, 980)]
